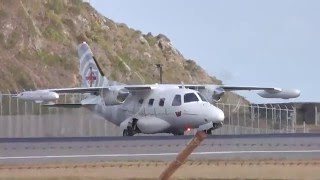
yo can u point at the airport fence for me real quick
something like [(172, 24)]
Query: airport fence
[(257, 119), (19, 118)]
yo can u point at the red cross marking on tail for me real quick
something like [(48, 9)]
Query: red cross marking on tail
[(91, 78)]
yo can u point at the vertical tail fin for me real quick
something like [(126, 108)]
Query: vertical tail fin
[(90, 71)]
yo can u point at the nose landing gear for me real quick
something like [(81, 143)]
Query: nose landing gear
[(214, 126)]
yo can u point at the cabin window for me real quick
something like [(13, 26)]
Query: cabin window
[(202, 97), (151, 102), (176, 100), (140, 101), (161, 102), (190, 97)]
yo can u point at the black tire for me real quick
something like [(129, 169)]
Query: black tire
[(130, 131), (178, 133), (125, 133)]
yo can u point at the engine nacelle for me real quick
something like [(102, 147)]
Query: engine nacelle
[(213, 93), (217, 94), (114, 96), (284, 94)]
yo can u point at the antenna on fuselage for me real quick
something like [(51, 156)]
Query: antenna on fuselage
[(182, 85), (159, 66)]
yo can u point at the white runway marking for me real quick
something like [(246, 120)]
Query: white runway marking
[(152, 154)]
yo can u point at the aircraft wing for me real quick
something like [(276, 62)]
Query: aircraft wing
[(249, 88), (232, 88), (48, 96), (265, 92), (130, 88)]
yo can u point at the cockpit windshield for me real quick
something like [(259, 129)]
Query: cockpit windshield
[(190, 97), (202, 97)]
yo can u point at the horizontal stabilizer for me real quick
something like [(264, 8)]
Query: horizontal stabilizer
[(64, 105)]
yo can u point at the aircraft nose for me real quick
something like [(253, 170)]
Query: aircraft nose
[(217, 114)]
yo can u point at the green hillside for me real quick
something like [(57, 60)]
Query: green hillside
[(38, 41)]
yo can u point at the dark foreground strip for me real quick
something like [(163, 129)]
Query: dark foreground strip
[(137, 138)]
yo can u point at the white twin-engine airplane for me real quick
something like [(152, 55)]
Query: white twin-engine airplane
[(149, 109)]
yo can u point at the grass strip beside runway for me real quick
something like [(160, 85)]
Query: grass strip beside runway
[(218, 169)]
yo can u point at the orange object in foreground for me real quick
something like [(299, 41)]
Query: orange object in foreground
[(183, 155)]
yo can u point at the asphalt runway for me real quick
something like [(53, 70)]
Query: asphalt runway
[(154, 148)]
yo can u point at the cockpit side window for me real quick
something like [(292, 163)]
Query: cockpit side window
[(190, 97), (176, 100), (202, 97)]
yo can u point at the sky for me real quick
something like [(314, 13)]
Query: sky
[(244, 43)]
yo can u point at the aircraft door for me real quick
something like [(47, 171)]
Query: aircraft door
[(175, 107), (160, 107), (138, 103), (150, 107)]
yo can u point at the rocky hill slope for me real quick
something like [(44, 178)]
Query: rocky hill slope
[(38, 41)]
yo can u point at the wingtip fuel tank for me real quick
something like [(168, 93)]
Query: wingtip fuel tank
[(283, 94), (38, 96)]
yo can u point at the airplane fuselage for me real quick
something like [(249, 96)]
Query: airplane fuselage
[(163, 109)]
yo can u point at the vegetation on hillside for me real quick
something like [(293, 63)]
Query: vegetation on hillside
[(38, 42)]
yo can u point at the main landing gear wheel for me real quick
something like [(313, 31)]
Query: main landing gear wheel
[(178, 133), (128, 131)]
